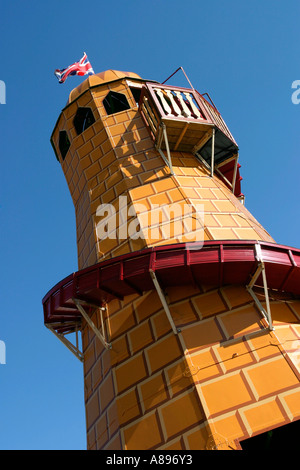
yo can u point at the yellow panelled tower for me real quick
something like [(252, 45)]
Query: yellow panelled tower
[(187, 307)]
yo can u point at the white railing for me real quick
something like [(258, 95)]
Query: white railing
[(177, 103), (181, 104)]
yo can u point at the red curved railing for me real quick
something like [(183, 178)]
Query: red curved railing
[(216, 263)]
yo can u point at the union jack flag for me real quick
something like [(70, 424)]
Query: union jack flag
[(83, 67)]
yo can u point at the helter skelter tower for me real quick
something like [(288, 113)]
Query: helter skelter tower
[(186, 343)]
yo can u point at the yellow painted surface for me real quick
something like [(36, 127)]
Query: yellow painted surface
[(224, 376), (220, 380)]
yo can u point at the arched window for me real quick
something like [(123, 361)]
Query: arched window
[(83, 119), (115, 102)]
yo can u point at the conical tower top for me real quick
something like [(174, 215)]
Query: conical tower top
[(153, 145)]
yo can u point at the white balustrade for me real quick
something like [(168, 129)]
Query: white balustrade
[(164, 103), (185, 110), (178, 103), (193, 106)]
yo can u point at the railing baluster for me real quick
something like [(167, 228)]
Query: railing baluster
[(173, 102), (193, 106), (164, 103), (186, 112)]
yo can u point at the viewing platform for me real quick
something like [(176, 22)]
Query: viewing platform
[(181, 119)]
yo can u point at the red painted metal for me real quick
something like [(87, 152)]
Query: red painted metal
[(215, 263), (228, 170)]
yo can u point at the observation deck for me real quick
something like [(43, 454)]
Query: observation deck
[(183, 120)]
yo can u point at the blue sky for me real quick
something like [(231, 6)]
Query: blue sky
[(245, 54)]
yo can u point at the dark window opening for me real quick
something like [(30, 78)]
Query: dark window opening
[(83, 119), (284, 437), (136, 94), (115, 102), (64, 143)]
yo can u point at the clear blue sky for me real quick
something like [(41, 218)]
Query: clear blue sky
[(245, 54)]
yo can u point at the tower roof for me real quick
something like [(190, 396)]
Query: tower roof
[(99, 79)]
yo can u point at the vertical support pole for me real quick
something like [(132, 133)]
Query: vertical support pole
[(76, 335), (167, 146), (212, 152), (261, 270), (235, 172), (267, 296), (159, 137)]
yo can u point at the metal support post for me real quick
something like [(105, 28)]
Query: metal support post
[(235, 172), (202, 160), (74, 349), (167, 146), (212, 152), (79, 304), (267, 296), (261, 270), (162, 133), (163, 301)]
